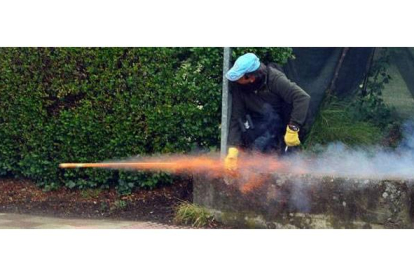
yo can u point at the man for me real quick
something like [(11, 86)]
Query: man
[(260, 97)]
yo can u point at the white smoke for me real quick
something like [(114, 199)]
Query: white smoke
[(299, 199), (371, 162)]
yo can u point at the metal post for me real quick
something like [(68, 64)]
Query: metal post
[(226, 103)]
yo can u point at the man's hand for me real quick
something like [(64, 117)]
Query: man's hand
[(230, 163), (292, 136)]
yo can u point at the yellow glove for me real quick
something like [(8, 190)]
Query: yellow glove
[(292, 137), (230, 163)]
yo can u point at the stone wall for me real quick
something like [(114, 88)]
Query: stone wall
[(292, 201)]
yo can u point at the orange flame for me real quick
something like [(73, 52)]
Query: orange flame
[(250, 167)]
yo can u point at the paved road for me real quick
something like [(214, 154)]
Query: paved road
[(19, 221)]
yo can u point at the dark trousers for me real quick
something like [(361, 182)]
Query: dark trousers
[(266, 135)]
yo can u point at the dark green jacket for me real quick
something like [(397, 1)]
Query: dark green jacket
[(277, 90)]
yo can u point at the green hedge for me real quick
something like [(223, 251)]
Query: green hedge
[(93, 104)]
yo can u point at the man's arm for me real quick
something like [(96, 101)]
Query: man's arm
[(292, 94), (238, 110)]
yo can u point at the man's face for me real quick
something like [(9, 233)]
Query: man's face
[(249, 84), (246, 80)]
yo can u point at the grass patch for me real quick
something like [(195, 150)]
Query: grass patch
[(90, 193), (194, 215), (119, 205), (336, 123)]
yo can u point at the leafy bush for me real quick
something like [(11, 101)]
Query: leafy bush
[(94, 104), (368, 104), (335, 122)]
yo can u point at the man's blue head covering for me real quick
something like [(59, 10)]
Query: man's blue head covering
[(246, 63)]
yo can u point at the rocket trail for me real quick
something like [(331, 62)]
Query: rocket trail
[(188, 164), (123, 165), (174, 165)]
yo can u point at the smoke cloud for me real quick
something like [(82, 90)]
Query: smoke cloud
[(372, 162)]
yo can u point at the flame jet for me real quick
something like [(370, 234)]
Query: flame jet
[(174, 165), (189, 164)]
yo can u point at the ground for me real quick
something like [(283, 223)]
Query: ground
[(156, 207), (21, 221)]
